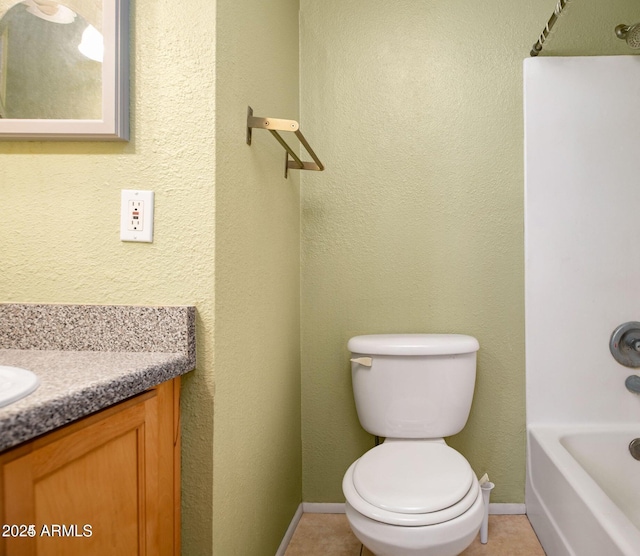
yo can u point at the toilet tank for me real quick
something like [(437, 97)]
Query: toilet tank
[(418, 385)]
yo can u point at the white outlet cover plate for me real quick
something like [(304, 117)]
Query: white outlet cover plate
[(145, 233)]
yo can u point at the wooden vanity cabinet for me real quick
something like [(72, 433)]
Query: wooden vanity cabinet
[(108, 484)]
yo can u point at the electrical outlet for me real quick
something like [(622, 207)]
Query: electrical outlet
[(136, 215)]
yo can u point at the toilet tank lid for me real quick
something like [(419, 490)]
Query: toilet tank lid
[(413, 344)]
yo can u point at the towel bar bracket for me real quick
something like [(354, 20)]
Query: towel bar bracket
[(274, 125), (294, 165)]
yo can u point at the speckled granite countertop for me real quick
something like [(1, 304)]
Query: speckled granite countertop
[(76, 383), (88, 358)]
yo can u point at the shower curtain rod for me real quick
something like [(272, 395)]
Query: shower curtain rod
[(537, 47)]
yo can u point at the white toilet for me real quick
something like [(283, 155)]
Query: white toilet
[(413, 495)]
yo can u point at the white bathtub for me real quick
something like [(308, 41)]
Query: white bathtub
[(583, 489)]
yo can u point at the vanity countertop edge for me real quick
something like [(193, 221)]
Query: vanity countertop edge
[(79, 374)]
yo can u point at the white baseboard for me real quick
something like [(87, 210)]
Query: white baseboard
[(323, 507), (290, 530), (507, 509)]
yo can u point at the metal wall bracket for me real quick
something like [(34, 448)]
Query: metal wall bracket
[(273, 125)]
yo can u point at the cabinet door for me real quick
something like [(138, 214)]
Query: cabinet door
[(93, 487)]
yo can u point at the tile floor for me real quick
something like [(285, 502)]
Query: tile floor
[(330, 535)]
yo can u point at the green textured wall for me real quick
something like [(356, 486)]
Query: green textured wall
[(257, 439), (417, 224)]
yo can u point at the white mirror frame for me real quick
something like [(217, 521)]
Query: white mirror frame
[(114, 125)]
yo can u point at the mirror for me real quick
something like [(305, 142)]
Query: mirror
[(64, 70)]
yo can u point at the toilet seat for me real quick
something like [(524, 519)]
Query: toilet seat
[(412, 483), (416, 477)]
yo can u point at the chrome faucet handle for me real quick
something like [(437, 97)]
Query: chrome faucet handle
[(634, 343), (625, 344), (633, 384)]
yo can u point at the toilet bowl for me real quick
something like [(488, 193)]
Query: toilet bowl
[(413, 498), (449, 538), (413, 495)]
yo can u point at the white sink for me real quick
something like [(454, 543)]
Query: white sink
[(16, 383)]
